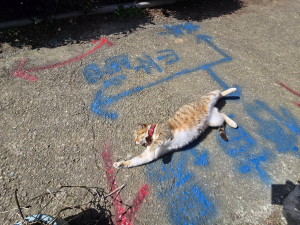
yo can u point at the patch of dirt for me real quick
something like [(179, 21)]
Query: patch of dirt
[(274, 218)]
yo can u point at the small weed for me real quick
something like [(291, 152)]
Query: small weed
[(128, 12)]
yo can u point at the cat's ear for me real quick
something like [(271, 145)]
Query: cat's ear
[(141, 126)]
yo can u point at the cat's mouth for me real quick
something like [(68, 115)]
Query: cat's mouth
[(148, 141), (144, 143)]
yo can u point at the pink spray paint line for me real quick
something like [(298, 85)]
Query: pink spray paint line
[(290, 90), (24, 73), (123, 216)]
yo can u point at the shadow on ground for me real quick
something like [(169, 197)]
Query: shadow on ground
[(288, 195), (198, 10), (84, 205), (89, 217), (86, 28)]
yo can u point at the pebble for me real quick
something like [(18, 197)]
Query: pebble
[(12, 173)]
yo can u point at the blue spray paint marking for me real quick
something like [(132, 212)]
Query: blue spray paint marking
[(201, 159), (171, 55), (241, 146), (188, 27), (197, 210), (288, 121), (208, 67), (255, 162), (117, 81), (174, 30), (281, 130), (177, 188), (147, 64), (113, 65), (101, 102), (285, 138), (177, 30), (92, 73)]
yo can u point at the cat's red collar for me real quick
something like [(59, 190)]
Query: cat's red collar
[(150, 134)]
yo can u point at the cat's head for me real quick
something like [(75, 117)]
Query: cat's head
[(141, 134)]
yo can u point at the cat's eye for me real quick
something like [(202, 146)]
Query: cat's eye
[(141, 125)]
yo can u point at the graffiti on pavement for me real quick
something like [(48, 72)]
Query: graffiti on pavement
[(93, 73), (123, 216), (179, 188)]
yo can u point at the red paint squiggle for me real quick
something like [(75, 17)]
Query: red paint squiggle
[(290, 90), (23, 73), (123, 216)]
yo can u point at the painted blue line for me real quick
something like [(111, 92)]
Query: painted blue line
[(131, 91), (217, 79), (172, 54), (147, 65), (207, 40), (207, 66), (172, 30), (255, 162), (117, 81), (177, 29)]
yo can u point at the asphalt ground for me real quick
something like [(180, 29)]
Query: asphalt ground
[(68, 112)]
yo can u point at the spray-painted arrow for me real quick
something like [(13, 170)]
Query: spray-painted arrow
[(24, 73), (101, 102)]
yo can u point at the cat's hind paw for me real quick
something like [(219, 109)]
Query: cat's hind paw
[(233, 124), (119, 165)]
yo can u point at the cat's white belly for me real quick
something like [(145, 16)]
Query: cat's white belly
[(183, 137)]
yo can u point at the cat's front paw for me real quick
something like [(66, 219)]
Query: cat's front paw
[(119, 165)]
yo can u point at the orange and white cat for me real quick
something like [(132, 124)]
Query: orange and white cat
[(185, 126)]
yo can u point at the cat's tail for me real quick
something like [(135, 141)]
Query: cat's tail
[(228, 91)]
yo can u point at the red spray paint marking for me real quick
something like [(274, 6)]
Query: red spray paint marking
[(123, 217), (290, 90), (23, 73)]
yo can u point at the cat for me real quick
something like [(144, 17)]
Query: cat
[(181, 129)]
